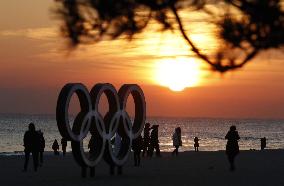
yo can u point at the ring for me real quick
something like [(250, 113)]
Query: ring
[(115, 124)]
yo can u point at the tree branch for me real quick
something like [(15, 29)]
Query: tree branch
[(217, 65), (194, 48)]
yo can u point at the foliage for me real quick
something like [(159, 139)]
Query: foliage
[(258, 26)]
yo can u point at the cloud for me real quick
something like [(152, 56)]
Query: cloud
[(45, 33), (120, 54)]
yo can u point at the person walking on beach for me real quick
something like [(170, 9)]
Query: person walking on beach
[(232, 147), (154, 141), (146, 139), (63, 145), (176, 140), (41, 147), (262, 143), (32, 145), (137, 146), (55, 147), (196, 144)]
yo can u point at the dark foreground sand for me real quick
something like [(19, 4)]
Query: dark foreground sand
[(254, 168)]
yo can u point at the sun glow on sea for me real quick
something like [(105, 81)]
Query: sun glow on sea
[(177, 73)]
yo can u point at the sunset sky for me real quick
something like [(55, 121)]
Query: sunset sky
[(35, 64)]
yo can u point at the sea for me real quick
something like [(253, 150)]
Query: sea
[(210, 131)]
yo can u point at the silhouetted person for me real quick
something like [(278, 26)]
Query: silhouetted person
[(41, 147), (137, 146), (55, 147), (63, 145), (196, 144), (91, 147), (262, 143), (154, 142), (31, 144), (117, 146), (146, 139), (176, 140), (232, 147)]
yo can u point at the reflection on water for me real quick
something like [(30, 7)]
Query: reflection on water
[(211, 132)]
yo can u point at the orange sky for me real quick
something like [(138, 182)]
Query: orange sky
[(34, 66)]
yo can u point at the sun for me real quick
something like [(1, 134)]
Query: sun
[(177, 73)]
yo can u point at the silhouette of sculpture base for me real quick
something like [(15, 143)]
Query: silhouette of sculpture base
[(115, 124)]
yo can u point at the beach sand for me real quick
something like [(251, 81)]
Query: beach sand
[(254, 168)]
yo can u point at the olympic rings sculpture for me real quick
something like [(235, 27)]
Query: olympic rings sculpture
[(103, 129)]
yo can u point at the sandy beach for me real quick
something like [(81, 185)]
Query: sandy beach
[(259, 168)]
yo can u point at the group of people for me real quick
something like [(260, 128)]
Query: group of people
[(147, 145), (150, 142), (55, 146), (177, 142), (34, 143), (232, 147)]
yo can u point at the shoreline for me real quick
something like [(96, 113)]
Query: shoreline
[(50, 153)]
